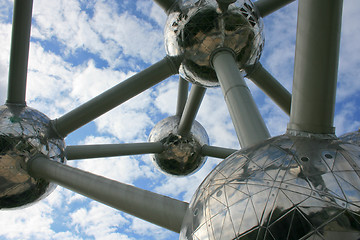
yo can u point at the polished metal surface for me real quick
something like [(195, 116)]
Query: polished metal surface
[(182, 154), (249, 125), (316, 66), (288, 187), (351, 137), (197, 28), (23, 134)]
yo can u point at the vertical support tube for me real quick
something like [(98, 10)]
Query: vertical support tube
[(191, 108), (249, 125), (182, 96), (271, 87), (316, 66), (117, 95), (158, 209), (267, 7), (19, 53)]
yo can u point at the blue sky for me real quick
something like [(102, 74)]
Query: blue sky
[(80, 48)]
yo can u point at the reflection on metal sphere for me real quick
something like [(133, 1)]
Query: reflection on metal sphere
[(352, 137), (181, 155), (289, 187), (195, 29), (23, 134)]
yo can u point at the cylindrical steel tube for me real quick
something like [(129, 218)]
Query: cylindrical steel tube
[(111, 150), (270, 86), (19, 53), (191, 108), (249, 125), (116, 95), (217, 152), (183, 90), (316, 66), (155, 208)]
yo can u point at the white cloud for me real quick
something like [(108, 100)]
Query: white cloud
[(146, 229), (279, 50), (97, 140), (60, 79), (215, 118), (183, 188), (106, 33), (5, 30), (166, 97), (135, 37), (32, 222), (126, 169), (5, 9), (346, 119), (65, 236), (99, 221), (49, 81), (65, 21), (130, 121), (92, 81), (349, 65), (151, 9)]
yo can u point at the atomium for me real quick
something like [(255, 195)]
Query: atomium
[(182, 154), (296, 186), (196, 29), (289, 187), (24, 133)]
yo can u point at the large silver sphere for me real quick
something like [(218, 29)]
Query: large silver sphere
[(23, 134), (182, 154), (195, 29), (289, 187), (352, 137)]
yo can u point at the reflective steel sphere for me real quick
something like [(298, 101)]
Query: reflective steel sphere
[(195, 29), (352, 137), (182, 154), (23, 134), (289, 187)]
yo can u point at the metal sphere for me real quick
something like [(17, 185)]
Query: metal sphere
[(195, 29), (182, 154), (352, 137), (289, 187), (23, 134)]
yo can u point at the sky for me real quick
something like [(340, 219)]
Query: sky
[(80, 48)]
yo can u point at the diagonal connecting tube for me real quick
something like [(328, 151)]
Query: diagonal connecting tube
[(182, 96), (270, 86), (191, 108), (155, 208), (249, 125), (116, 95)]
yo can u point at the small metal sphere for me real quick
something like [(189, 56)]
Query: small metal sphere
[(182, 154), (24, 132), (288, 187), (195, 29), (352, 137)]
